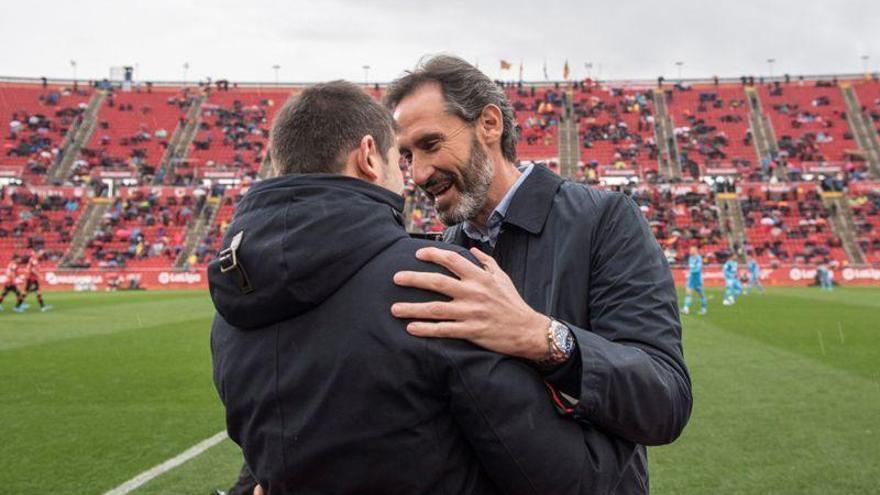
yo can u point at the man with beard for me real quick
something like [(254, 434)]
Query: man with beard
[(574, 281), (324, 389)]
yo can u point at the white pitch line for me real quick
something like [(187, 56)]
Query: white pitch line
[(168, 465)]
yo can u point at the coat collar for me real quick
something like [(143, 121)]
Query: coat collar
[(533, 200)]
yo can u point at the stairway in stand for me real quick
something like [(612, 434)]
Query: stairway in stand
[(862, 129), (763, 134), (85, 230), (76, 138), (843, 225), (669, 164), (178, 147), (567, 141)]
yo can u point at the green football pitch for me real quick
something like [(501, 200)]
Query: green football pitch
[(107, 386)]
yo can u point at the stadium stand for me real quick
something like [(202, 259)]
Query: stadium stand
[(37, 118), (810, 123), (538, 112), (615, 129), (31, 222), (790, 227), (233, 134), (866, 207), (141, 231), (712, 129), (681, 218), (784, 222), (132, 133), (869, 97)]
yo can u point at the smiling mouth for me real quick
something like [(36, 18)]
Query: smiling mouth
[(439, 188)]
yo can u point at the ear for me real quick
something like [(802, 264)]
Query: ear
[(490, 124), (368, 167)]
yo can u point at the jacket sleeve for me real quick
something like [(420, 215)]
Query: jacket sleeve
[(631, 378), (526, 447)]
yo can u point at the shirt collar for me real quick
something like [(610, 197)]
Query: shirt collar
[(493, 224), (534, 200)]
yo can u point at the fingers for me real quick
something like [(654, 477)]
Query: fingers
[(452, 261), (441, 329), (435, 282), (488, 262), (434, 310)]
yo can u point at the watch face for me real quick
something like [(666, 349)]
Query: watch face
[(563, 338)]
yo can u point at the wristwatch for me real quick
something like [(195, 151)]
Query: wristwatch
[(560, 343)]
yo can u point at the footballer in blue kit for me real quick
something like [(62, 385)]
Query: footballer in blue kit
[(733, 287), (695, 281), (754, 276)]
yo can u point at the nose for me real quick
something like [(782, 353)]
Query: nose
[(421, 171)]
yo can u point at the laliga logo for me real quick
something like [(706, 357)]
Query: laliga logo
[(801, 273), (850, 274), (179, 278)]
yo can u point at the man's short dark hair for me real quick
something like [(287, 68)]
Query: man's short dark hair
[(466, 91), (315, 131)]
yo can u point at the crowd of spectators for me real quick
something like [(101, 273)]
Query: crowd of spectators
[(240, 131), (141, 227), (37, 136), (866, 212), (539, 112), (603, 118), (699, 137), (680, 219), (37, 222), (789, 226), (132, 148)]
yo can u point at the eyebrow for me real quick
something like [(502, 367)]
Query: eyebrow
[(427, 138), (423, 141)]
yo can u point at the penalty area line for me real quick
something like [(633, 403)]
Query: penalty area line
[(168, 465)]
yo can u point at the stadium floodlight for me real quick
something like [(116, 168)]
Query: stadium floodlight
[(276, 67), (865, 59), (679, 64), (73, 66), (770, 62), (185, 68), (589, 67), (366, 74)]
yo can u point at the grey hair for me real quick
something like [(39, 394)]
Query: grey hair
[(466, 90)]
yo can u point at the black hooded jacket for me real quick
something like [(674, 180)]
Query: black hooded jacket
[(327, 393)]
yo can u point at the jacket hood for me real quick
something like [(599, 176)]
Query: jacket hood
[(303, 237)]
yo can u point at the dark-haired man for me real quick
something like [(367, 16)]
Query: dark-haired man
[(324, 389), (592, 304)]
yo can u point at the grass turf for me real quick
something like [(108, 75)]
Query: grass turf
[(105, 386)]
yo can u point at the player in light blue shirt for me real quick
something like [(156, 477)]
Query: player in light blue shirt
[(825, 278), (733, 287), (695, 281), (754, 276)]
